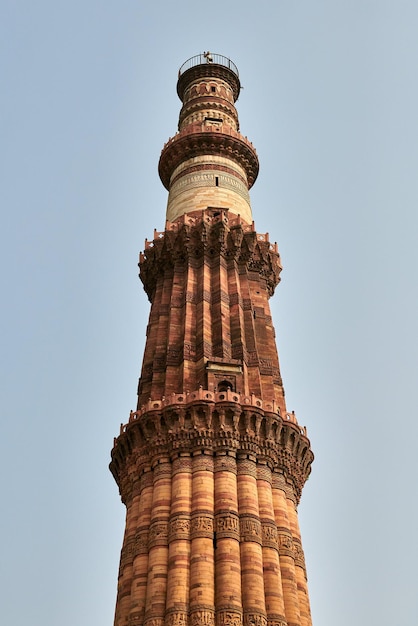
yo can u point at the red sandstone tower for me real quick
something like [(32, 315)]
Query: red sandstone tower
[(211, 465)]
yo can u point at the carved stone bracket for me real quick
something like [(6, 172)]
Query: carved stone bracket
[(184, 243)]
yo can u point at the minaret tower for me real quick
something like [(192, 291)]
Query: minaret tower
[(211, 465)]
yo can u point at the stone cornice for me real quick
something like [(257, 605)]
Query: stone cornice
[(223, 422), (195, 140), (195, 236)]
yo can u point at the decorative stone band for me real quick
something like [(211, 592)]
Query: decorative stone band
[(179, 527), (202, 616), (136, 618), (162, 470), (141, 541), (228, 617), (201, 526), (154, 621), (276, 620), (247, 467), (146, 479), (299, 554), (218, 165), (227, 525), (254, 619), (127, 553), (158, 534), (225, 463), (264, 473), (269, 534), (250, 527), (279, 482), (285, 542), (202, 463), (176, 618), (208, 179), (182, 465)]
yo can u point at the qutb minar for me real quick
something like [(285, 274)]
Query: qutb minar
[(211, 464)]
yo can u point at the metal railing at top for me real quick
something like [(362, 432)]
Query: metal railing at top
[(208, 58)]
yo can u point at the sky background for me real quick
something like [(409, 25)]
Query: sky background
[(330, 101)]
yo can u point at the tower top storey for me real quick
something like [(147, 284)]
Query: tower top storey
[(208, 64), (208, 162)]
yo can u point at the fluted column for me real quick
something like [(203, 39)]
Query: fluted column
[(125, 568), (179, 543), (140, 562), (300, 567), (227, 552), (202, 566), (254, 378), (221, 334), (158, 545), (286, 555), (189, 346), (175, 334), (253, 601), (150, 346), (203, 315), (271, 563), (160, 355)]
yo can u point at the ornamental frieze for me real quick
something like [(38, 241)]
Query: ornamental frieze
[(158, 534), (202, 617), (227, 525), (270, 535), (299, 554), (201, 526), (279, 620), (255, 619), (228, 618), (247, 467), (154, 621), (224, 463), (179, 528), (250, 528), (177, 618), (141, 542), (285, 542)]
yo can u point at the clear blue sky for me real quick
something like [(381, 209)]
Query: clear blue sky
[(330, 101)]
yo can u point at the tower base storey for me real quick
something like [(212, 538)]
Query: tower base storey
[(222, 546)]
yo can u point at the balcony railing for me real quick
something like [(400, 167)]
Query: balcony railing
[(208, 58)]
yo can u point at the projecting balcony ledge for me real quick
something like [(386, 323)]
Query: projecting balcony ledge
[(200, 140), (207, 396)]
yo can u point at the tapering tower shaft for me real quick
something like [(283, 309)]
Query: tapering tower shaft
[(211, 464)]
